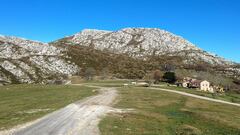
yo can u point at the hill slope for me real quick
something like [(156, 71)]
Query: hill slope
[(25, 61), (144, 42), (152, 48), (127, 53)]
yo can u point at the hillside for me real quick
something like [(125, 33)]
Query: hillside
[(151, 48), (144, 42), (25, 61), (127, 53)]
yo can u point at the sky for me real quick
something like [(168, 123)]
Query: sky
[(213, 25)]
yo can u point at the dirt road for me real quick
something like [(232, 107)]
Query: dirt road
[(196, 96), (80, 118)]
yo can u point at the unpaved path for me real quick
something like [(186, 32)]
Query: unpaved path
[(80, 118), (196, 96)]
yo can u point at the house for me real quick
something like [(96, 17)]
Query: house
[(205, 86), (190, 83), (194, 83)]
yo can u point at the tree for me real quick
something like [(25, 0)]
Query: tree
[(104, 73), (169, 77), (90, 73), (157, 76)]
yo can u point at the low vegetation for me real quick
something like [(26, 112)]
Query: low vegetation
[(158, 112), (23, 103)]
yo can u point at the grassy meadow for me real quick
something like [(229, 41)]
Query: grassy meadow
[(164, 113), (23, 103)]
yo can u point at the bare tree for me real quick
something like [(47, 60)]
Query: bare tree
[(157, 76), (90, 73)]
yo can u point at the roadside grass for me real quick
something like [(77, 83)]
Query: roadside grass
[(227, 96), (24, 103), (164, 113)]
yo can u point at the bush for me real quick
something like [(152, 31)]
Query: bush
[(169, 77)]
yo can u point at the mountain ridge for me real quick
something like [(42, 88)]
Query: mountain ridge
[(150, 48), (177, 43)]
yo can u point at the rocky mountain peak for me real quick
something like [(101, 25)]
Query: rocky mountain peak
[(134, 40), (144, 42)]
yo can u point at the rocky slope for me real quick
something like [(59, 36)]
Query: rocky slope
[(25, 61), (127, 53), (153, 48), (144, 42)]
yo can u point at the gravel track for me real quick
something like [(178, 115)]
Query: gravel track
[(80, 118)]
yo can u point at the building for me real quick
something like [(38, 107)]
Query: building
[(205, 86), (195, 83), (199, 84), (190, 83)]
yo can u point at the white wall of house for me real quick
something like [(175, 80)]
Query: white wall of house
[(205, 86)]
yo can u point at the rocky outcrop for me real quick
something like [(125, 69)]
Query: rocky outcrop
[(25, 61)]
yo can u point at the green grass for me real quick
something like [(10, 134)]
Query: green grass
[(164, 113), (227, 96), (20, 103)]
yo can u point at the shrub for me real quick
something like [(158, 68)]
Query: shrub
[(169, 77)]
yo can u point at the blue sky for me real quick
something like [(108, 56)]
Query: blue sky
[(213, 25)]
